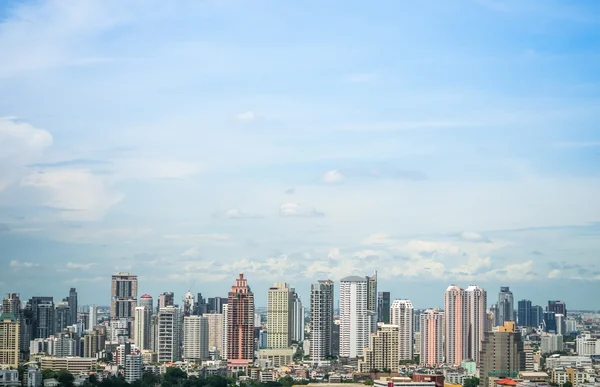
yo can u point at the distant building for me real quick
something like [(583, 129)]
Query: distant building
[(123, 295), (525, 313), (506, 306), (382, 352), (321, 320), (169, 334), (240, 323), (551, 343), (279, 316), (147, 302), (133, 367), (9, 340), (383, 307), (93, 317), (166, 299), (215, 333), (142, 327), (557, 307), (34, 377), (355, 319), (401, 313), (94, 341), (432, 338), (195, 338), (72, 302), (297, 318), (372, 301), (502, 354)]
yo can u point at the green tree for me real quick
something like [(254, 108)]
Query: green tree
[(471, 382), (567, 384), (65, 378), (48, 374)]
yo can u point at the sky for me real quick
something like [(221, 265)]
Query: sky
[(435, 142)]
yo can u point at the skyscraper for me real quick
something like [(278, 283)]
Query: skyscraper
[(240, 323), (72, 301), (502, 354), (12, 304), (123, 295), (432, 338), (525, 313), (465, 323), (401, 313), (62, 316), (215, 332), (195, 338), (166, 299), (9, 340), (355, 318), (321, 320), (506, 306), (147, 302), (537, 315), (372, 301), (382, 352), (142, 327), (225, 345), (169, 334), (42, 312), (93, 317), (558, 307), (297, 318), (279, 316), (383, 307)]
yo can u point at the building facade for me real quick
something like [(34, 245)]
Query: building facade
[(321, 320), (432, 338), (240, 322), (402, 315), (9, 340), (502, 355), (382, 354), (215, 333), (169, 334), (525, 313), (195, 338), (383, 307), (355, 318), (142, 327), (123, 295), (279, 316), (297, 318), (506, 306)]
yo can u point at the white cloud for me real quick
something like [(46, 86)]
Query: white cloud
[(143, 168), (295, 209), (234, 213), (471, 236), (246, 116), (78, 193), (20, 265), (80, 266), (201, 239), (332, 177), (360, 78), (556, 273)]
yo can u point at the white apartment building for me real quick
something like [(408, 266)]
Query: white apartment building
[(355, 320), (551, 343), (297, 318), (195, 338), (587, 344), (279, 316), (225, 331), (133, 367), (142, 327), (402, 315), (169, 334), (432, 338)]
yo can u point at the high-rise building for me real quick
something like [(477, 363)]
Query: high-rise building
[(506, 306), (502, 354), (123, 295), (42, 316), (142, 327), (549, 322), (188, 304), (382, 352), (62, 316), (147, 302), (93, 317), (133, 367), (558, 307), (465, 323), (297, 318), (9, 340), (166, 299), (240, 323), (355, 319), (72, 301), (169, 334), (525, 313), (372, 301), (321, 320), (219, 302), (383, 307), (279, 316), (94, 341), (551, 342), (195, 338), (215, 332), (432, 338), (537, 315), (225, 324), (402, 313), (201, 305), (12, 304)]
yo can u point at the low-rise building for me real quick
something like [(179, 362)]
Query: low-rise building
[(74, 365)]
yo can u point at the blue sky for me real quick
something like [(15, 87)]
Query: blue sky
[(436, 142)]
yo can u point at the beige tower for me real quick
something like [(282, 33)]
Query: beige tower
[(279, 316), (382, 353), (9, 340), (123, 293)]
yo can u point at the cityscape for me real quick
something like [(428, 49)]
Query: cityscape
[(372, 338)]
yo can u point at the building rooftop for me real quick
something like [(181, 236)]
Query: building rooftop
[(354, 278)]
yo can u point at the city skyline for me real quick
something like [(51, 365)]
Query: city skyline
[(366, 142)]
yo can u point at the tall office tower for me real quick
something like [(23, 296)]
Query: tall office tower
[(201, 306), (62, 316), (211, 305), (549, 322), (490, 320), (524, 313), (372, 302), (147, 302), (142, 327), (476, 302), (382, 352), (383, 307), (506, 306), (9, 340), (558, 307), (455, 325), (12, 304), (240, 322), (166, 299), (321, 320), (72, 301), (432, 338), (215, 332), (67, 344), (402, 313), (219, 302), (355, 319), (94, 342), (42, 316), (123, 295), (195, 338), (537, 315), (169, 334), (225, 330), (279, 316), (560, 324), (502, 354), (417, 320), (93, 317), (297, 318)]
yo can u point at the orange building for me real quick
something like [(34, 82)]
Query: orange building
[(240, 323)]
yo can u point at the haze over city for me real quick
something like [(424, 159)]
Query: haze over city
[(186, 142)]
